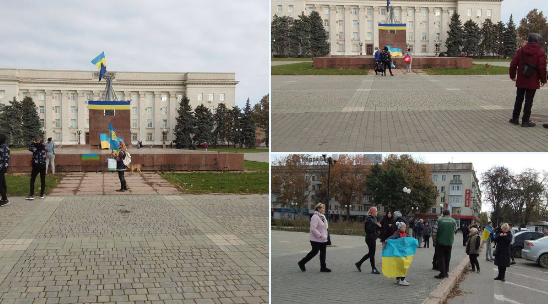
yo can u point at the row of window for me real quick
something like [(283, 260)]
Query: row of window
[(74, 123), (74, 136), (479, 13), (74, 110), (369, 11), (443, 177)]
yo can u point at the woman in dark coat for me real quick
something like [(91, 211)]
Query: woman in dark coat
[(388, 227), (526, 87), (120, 166), (371, 227), (502, 256)]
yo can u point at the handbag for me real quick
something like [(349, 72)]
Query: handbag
[(495, 252), (407, 59), (528, 68), (328, 239)]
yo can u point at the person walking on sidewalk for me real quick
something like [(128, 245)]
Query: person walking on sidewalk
[(472, 248), (502, 254), (465, 233), (529, 64), (388, 227), (427, 231), (50, 155), (38, 150), (444, 242), (4, 163), (419, 227), (371, 226), (408, 62), (318, 239), (386, 59)]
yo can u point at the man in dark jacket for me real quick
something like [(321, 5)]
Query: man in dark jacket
[(465, 233), (526, 87), (386, 59), (38, 150), (370, 227)]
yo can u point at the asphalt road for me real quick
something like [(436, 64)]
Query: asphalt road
[(526, 282)]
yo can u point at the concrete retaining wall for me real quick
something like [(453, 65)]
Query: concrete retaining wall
[(360, 62)]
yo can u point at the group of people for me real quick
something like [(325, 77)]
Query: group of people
[(503, 239), (383, 61), (43, 154), (391, 226)]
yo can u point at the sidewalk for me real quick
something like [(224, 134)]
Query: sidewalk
[(290, 285), (197, 249)]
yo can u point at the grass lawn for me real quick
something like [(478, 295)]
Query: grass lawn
[(234, 150), (491, 60), (19, 183), (306, 68), (477, 69), (290, 59), (253, 181)]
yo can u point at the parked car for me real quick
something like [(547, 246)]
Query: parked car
[(516, 230), (520, 238), (537, 251)]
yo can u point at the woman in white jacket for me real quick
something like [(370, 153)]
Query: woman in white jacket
[(318, 238)]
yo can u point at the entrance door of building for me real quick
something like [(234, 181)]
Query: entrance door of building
[(369, 49), (87, 138)]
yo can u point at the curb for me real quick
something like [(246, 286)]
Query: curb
[(439, 295)]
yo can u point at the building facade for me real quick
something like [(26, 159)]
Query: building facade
[(458, 191), (61, 99), (352, 25)]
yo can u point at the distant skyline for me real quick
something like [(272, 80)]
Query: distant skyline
[(482, 162), (142, 36)]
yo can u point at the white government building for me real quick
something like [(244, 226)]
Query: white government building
[(61, 98), (352, 25)]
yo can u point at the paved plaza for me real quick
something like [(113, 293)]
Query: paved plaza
[(130, 248), (345, 284), (404, 113)]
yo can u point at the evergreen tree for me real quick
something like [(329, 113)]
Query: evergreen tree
[(455, 36), (203, 128), (31, 123), (261, 116), (499, 29), (488, 37), (11, 122), (280, 32), (185, 123), (248, 127), (221, 118), (234, 125), (300, 37), (510, 39), (472, 38), (318, 36)]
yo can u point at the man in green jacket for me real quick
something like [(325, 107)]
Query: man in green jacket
[(444, 242)]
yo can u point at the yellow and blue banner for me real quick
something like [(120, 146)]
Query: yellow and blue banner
[(394, 51), (105, 143), (101, 63), (86, 157), (113, 140), (392, 26), (397, 256), (109, 105)]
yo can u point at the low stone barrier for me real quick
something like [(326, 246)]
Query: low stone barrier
[(360, 62)]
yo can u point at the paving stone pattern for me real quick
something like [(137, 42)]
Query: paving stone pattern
[(404, 113), (164, 249), (345, 284)]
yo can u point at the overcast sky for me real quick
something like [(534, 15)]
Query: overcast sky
[(139, 35), (515, 162), (519, 9)]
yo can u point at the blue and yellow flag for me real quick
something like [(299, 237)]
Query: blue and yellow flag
[(113, 140), (486, 232), (397, 256), (105, 142), (101, 63)]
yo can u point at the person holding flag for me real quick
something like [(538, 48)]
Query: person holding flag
[(398, 255), (486, 236), (119, 153), (101, 63)]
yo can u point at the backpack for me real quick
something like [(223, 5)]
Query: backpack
[(127, 159), (528, 68)]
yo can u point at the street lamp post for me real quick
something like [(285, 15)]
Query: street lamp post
[(43, 130), (164, 134), (407, 191), (361, 44), (331, 161), (347, 212), (79, 132)]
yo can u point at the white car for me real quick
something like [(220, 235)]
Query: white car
[(536, 251)]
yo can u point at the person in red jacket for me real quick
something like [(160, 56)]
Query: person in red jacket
[(527, 87)]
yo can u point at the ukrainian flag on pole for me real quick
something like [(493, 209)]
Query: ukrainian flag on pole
[(113, 139), (397, 256), (101, 63), (486, 232)]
